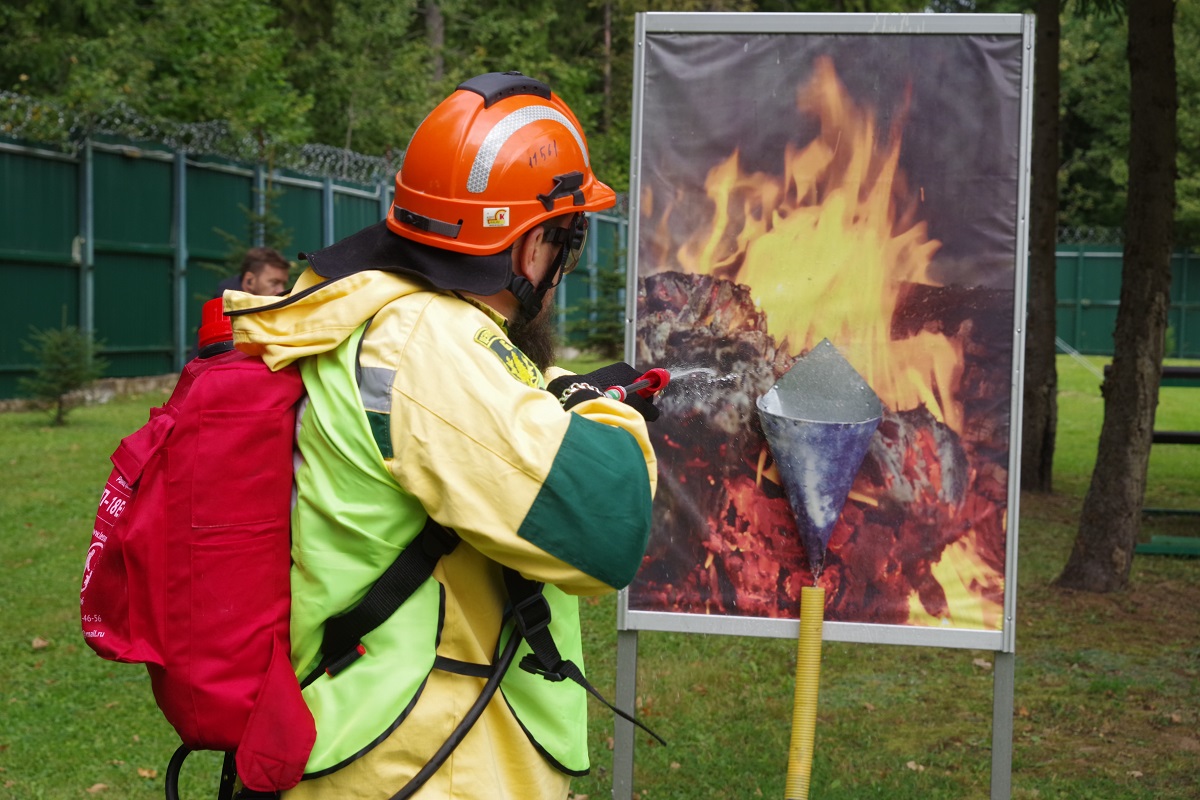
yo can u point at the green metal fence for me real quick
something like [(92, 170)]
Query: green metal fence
[(1088, 281), (579, 296), (114, 239), (39, 251)]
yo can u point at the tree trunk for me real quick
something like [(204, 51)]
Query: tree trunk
[(1040, 416), (435, 33), (1112, 510)]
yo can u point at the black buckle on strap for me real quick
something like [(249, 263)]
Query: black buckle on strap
[(532, 615), (437, 541), (345, 660), (531, 663)]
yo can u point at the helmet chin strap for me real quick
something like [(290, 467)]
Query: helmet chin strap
[(529, 297)]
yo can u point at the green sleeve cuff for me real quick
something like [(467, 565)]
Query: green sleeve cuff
[(593, 511)]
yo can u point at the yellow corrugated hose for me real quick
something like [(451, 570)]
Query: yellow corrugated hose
[(804, 703)]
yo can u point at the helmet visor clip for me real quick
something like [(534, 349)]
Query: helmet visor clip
[(567, 184), (572, 239)]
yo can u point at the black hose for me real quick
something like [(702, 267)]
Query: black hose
[(173, 767), (228, 776), (468, 721)]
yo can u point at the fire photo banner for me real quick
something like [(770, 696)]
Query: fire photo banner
[(828, 253)]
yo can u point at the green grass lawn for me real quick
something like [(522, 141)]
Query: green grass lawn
[(1107, 693)]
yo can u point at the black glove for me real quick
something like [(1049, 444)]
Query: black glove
[(573, 389)]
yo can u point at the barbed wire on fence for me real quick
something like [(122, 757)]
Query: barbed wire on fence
[(47, 123), (1091, 235)]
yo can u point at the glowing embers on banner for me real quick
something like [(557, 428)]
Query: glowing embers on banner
[(831, 248)]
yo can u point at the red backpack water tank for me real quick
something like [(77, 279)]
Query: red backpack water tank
[(188, 569)]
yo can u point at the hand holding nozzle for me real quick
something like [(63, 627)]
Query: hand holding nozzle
[(624, 384), (646, 386)]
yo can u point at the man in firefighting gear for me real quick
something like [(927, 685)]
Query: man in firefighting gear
[(424, 411)]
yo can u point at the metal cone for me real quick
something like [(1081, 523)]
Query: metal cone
[(819, 419)]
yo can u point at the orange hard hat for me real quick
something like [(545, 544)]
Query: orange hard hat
[(498, 156)]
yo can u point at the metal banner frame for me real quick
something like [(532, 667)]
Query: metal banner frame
[(632, 620)]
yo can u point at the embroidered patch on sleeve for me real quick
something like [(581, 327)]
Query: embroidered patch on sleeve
[(516, 362)]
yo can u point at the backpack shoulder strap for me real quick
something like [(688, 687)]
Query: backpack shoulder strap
[(342, 643), (531, 612)]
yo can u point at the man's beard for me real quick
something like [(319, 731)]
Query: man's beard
[(538, 338)]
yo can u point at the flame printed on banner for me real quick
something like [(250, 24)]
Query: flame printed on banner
[(973, 590), (842, 224)]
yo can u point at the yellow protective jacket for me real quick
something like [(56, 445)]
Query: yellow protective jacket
[(418, 406)]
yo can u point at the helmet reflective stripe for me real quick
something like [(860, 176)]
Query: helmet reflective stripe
[(485, 159)]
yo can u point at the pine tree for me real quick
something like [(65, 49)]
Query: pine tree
[(265, 225), (602, 320), (67, 361)]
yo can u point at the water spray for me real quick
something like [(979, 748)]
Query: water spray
[(819, 419), (685, 372)]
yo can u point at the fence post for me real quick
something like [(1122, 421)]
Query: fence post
[(1181, 334), (87, 236), (1077, 334), (181, 260), (327, 212)]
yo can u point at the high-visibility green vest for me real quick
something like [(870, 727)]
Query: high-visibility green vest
[(343, 485)]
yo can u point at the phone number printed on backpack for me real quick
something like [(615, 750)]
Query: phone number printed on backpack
[(113, 499), (113, 502), (92, 619)]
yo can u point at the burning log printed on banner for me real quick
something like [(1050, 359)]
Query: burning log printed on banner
[(834, 248)]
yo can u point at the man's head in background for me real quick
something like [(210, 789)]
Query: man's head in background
[(264, 271)]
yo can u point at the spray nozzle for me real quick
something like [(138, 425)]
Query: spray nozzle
[(646, 386)]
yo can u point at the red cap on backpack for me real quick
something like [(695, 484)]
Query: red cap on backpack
[(214, 325)]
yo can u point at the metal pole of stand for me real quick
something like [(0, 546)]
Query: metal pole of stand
[(626, 698), (1003, 682)]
